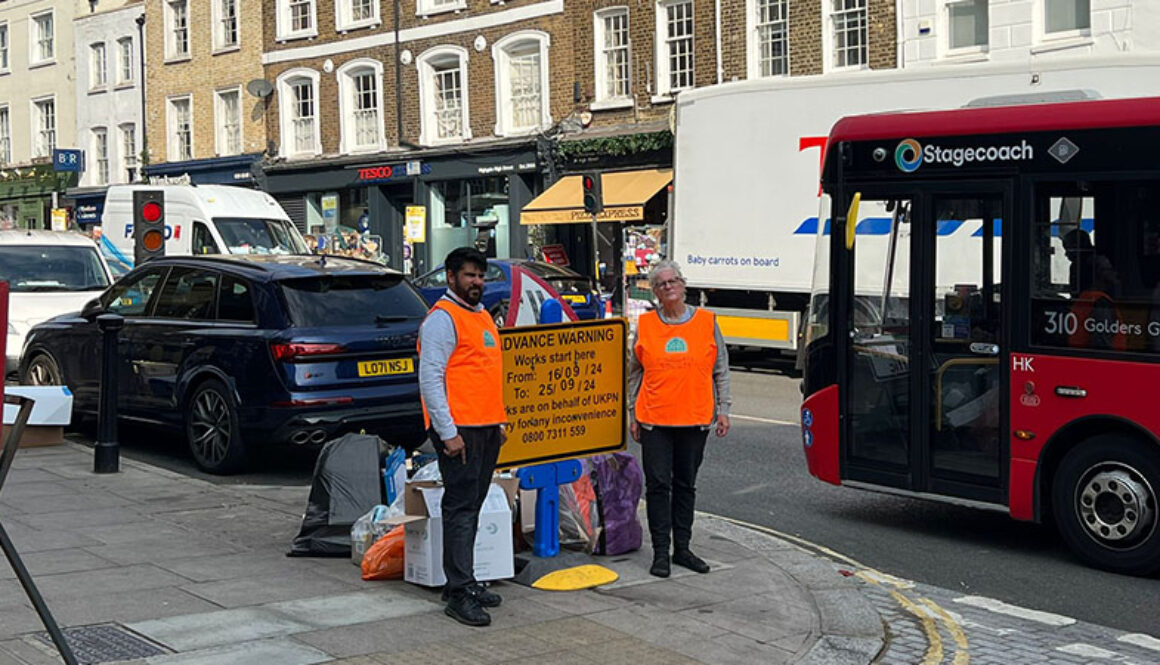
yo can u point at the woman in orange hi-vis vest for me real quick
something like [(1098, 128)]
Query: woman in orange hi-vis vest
[(678, 389)]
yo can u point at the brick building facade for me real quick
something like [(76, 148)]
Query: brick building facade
[(497, 99), (200, 120)]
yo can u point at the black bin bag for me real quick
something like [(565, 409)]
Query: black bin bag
[(347, 483)]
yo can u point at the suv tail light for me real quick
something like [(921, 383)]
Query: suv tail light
[(295, 350)]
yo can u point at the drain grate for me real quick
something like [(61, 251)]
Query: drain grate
[(104, 643)]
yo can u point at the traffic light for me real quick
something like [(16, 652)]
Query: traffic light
[(148, 224), (593, 196)]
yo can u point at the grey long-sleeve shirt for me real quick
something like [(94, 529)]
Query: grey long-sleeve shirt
[(437, 341), (720, 367)]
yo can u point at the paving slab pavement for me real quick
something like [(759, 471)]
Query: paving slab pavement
[(150, 567)]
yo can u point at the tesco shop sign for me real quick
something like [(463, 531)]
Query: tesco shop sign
[(392, 172)]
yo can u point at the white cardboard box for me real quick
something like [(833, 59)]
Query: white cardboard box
[(423, 553), (52, 405)]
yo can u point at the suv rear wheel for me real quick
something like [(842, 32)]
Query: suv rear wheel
[(211, 426)]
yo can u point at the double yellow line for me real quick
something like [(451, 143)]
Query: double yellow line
[(929, 613)]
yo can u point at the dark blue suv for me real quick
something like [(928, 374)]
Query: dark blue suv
[(239, 351)]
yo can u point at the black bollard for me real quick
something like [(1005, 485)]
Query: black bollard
[(107, 457)]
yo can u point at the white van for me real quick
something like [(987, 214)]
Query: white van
[(204, 219)]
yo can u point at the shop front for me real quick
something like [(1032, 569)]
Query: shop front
[(627, 235), (88, 204), (29, 194), (234, 170), (415, 208)]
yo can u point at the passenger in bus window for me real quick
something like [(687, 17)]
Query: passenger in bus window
[(1099, 324), (1077, 245)]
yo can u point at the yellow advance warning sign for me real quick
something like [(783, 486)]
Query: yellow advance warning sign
[(563, 391)]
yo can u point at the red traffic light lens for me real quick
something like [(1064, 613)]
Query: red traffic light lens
[(152, 240), (588, 183), (151, 212)]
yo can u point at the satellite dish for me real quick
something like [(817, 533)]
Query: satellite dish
[(259, 88)]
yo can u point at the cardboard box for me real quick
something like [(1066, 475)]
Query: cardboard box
[(423, 558), (38, 435), (51, 411)]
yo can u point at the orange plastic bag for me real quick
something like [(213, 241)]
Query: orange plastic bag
[(384, 560)]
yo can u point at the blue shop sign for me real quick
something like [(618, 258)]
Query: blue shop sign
[(71, 161), (89, 213)]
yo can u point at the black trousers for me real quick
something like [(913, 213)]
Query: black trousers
[(671, 457), (464, 490)]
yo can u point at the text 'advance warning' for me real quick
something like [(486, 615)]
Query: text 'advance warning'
[(563, 391)]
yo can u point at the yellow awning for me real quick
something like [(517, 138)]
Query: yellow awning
[(625, 194)]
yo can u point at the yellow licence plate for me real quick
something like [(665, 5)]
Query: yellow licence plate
[(580, 300), (385, 367)]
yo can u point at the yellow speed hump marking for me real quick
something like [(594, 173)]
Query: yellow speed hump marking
[(563, 391), (578, 577)]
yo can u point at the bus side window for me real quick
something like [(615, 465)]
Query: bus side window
[(1096, 266), (203, 242)]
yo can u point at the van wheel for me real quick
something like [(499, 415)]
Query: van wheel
[(43, 370), (1104, 501), (211, 426)]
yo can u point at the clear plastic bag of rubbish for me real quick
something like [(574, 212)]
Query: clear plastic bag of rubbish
[(579, 514), (429, 471), (396, 508), (367, 529)]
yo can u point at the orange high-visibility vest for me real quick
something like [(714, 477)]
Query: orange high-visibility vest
[(474, 378), (677, 387), (1083, 307)]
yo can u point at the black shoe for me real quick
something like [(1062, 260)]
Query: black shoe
[(660, 566), (691, 561), (485, 597), (464, 608)]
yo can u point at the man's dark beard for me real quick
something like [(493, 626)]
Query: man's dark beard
[(468, 297)]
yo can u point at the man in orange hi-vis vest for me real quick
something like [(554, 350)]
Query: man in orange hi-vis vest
[(678, 389), (461, 382)]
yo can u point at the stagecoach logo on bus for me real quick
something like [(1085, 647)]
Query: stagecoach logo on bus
[(910, 154)]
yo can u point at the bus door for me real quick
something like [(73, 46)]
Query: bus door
[(922, 381), (878, 385), (961, 277)]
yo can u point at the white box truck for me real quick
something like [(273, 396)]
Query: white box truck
[(203, 219), (747, 157)]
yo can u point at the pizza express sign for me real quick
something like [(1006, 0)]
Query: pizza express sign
[(392, 172)]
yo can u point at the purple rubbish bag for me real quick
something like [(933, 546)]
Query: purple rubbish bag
[(618, 482)]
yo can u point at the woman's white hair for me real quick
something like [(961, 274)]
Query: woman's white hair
[(664, 264)]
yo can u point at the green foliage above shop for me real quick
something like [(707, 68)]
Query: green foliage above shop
[(36, 180), (617, 146)]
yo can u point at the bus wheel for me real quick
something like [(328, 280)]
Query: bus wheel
[(1105, 504)]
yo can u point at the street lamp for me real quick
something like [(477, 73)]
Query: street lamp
[(141, 49)]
